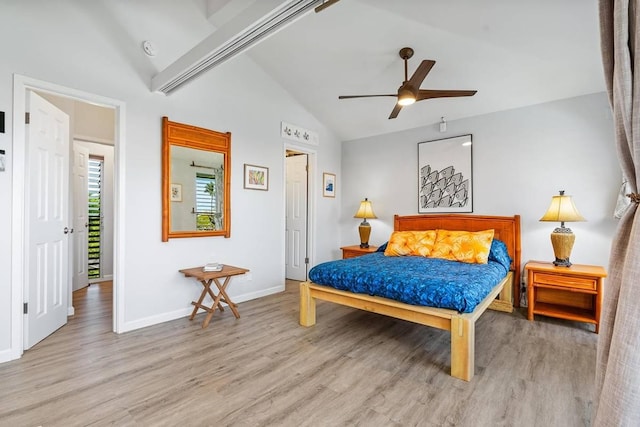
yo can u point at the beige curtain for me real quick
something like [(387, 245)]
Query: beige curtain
[(617, 391)]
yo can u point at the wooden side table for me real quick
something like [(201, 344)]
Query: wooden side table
[(356, 250), (572, 293), (207, 278)]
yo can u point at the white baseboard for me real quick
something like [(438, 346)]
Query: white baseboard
[(101, 279), (258, 294), (183, 312), (8, 355), (154, 320)]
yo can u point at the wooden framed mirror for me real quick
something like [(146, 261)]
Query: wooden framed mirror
[(196, 181)]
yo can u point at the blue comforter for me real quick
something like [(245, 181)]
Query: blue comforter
[(413, 279)]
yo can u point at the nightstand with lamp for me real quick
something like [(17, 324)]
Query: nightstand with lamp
[(559, 288), (365, 211)]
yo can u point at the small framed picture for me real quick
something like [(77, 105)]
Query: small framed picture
[(328, 184), (256, 177), (176, 193)]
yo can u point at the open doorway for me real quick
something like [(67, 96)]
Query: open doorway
[(92, 213), (23, 88), (91, 172)]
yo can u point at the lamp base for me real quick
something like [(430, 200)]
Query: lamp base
[(562, 262), (562, 241), (365, 231)]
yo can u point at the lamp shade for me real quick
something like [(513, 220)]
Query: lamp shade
[(562, 209), (365, 210)]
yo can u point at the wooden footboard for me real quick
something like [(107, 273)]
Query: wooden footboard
[(461, 325)]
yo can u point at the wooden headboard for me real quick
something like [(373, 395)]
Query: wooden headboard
[(506, 229)]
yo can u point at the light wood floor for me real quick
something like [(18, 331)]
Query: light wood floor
[(352, 368)]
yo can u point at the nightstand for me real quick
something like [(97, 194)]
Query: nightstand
[(572, 293), (356, 250)]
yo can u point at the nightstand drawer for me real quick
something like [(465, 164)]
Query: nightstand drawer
[(356, 251), (350, 254), (565, 281)]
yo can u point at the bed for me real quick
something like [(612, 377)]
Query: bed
[(459, 323)]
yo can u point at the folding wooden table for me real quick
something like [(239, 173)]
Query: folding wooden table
[(207, 278)]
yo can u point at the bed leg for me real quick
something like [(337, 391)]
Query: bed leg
[(462, 347), (504, 300), (307, 306)]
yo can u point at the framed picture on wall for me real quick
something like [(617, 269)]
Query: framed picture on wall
[(256, 177), (176, 192), (445, 175), (328, 184)]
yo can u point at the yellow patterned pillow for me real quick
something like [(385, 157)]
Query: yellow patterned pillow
[(403, 243), (464, 246)]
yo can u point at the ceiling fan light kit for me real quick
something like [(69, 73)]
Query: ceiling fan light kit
[(409, 92), (406, 97)]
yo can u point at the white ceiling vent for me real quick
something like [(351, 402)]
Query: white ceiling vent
[(254, 24)]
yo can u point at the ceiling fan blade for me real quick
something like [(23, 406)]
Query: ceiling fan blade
[(396, 111), (428, 94), (364, 96), (421, 72)]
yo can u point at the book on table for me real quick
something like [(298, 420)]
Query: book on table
[(212, 266)]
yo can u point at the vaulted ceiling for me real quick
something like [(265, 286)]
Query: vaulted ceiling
[(513, 52)]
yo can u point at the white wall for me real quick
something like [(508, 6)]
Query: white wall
[(521, 158), (94, 123), (71, 44)]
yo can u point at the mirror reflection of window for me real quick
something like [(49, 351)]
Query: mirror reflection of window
[(207, 217), (201, 176)]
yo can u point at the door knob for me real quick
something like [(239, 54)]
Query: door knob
[(66, 230)]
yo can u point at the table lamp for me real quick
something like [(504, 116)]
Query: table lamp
[(365, 211), (562, 210)]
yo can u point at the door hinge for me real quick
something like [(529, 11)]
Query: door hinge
[(27, 117), (306, 260), (25, 308)]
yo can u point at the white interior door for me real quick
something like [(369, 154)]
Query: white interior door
[(296, 221), (47, 220), (80, 215)]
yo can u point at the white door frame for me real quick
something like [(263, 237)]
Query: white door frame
[(21, 85), (311, 200)]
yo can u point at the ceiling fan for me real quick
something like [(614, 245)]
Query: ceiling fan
[(410, 92)]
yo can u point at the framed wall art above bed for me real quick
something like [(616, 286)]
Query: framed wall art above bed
[(445, 175)]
